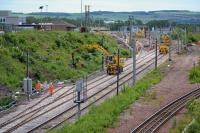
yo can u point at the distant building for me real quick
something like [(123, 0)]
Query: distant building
[(51, 26), (99, 29), (9, 22), (56, 26), (7, 18)]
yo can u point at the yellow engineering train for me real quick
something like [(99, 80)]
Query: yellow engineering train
[(111, 60), (164, 46)]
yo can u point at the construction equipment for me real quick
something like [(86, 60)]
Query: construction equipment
[(112, 64), (165, 39), (164, 49), (110, 60), (140, 34), (164, 46)]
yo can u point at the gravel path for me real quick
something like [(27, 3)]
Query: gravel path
[(174, 84)]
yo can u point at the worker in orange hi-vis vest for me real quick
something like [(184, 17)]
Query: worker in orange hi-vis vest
[(38, 86), (51, 89)]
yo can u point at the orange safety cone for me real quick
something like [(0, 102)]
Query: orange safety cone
[(38, 86), (51, 89)]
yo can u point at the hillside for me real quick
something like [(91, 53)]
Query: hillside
[(179, 16), (50, 56)]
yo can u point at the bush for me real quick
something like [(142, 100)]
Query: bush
[(5, 101), (194, 110), (194, 75), (50, 55)]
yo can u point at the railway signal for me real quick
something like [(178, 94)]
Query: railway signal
[(80, 93), (27, 81)]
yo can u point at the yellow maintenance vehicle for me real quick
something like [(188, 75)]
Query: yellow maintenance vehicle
[(164, 46), (112, 64), (140, 34), (110, 60)]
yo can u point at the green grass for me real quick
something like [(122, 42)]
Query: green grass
[(5, 101), (193, 37), (194, 75), (179, 125), (194, 111), (104, 115), (50, 55)]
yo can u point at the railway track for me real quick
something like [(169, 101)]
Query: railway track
[(65, 115), (32, 116), (154, 122), (63, 95)]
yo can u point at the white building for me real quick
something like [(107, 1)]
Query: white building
[(7, 18)]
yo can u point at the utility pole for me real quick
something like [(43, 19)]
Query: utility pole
[(134, 60), (133, 44), (102, 62), (81, 13), (118, 71), (102, 44), (170, 44), (156, 56), (149, 38), (27, 75), (185, 37), (46, 8), (181, 41), (178, 43)]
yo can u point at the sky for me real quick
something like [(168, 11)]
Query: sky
[(73, 6)]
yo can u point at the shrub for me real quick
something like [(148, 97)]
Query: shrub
[(50, 55), (5, 101)]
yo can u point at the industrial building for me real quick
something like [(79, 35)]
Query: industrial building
[(56, 26), (8, 22), (50, 26)]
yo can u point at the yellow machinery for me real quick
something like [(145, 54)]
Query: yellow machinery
[(140, 34), (112, 64), (165, 39), (164, 47), (111, 60)]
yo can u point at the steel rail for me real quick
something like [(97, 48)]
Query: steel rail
[(155, 121)]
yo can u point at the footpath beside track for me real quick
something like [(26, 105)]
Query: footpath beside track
[(154, 122)]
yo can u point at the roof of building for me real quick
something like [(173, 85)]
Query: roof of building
[(59, 23)]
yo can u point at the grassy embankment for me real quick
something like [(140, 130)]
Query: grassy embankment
[(104, 115), (193, 37), (50, 56)]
